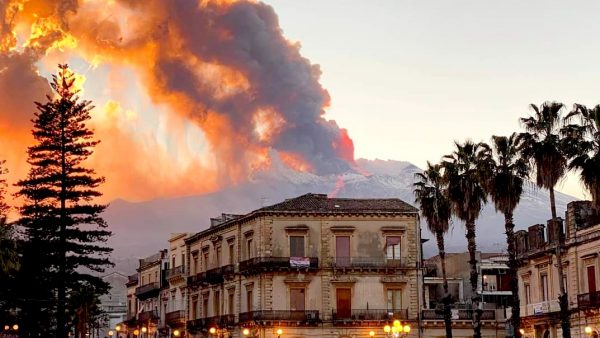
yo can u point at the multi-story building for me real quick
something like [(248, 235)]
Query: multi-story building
[(309, 266), (538, 274), (174, 296), (493, 288), (151, 279), (114, 303)]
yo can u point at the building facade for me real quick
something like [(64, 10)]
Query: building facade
[(538, 274), (309, 266), (493, 288)]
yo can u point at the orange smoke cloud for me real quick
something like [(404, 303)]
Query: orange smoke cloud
[(222, 66)]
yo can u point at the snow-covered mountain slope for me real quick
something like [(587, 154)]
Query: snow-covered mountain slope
[(142, 228)]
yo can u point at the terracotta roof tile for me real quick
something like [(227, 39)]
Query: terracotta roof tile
[(321, 203)]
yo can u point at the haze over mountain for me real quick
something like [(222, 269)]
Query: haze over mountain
[(143, 228)]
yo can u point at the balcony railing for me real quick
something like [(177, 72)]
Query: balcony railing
[(175, 317), (260, 264), (589, 300), (225, 321), (304, 317), (368, 315), (176, 271), (147, 291), (368, 263), (457, 314), (146, 316), (540, 308), (197, 279)]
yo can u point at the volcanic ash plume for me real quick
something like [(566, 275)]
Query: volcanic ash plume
[(223, 66)]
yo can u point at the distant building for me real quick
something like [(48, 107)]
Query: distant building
[(114, 303), (493, 287), (538, 276), (143, 296)]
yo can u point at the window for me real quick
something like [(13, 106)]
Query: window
[(194, 309), (156, 276), (297, 299), (172, 261), (195, 264), (249, 244), (231, 253), (249, 300), (342, 250), (230, 302), (527, 289), (218, 254), (217, 304), (392, 247), (205, 306), (394, 299), (182, 259), (205, 260), (544, 286), (143, 280), (343, 302), (296, 246)]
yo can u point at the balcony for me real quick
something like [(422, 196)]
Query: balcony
[(264, 264), (215, 276), (589, 300), (540, 308), (301, 317), (176, 272), (203, 324), (175, 317), (197, 279), (147, 291), (359, 316), (148, 316), (368, 263), (457, 314)]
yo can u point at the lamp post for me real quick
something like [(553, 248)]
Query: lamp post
[(279, 333)]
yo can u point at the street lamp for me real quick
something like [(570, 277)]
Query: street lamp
[(110, 333), (176, 333), (371, 333), (279, 333), (396, 330), (136, 332), (15, 327)]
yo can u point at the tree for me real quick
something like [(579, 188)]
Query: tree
[(542, 146), (464, 175), (9, 260), (431, 196), (59, 210), (504, 184), (582, 143)]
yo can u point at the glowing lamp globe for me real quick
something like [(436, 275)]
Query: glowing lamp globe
[(387, 329), (372, 333), (15, 327), (279, 332), (176, 333), (406, 328), (246, 332), (212, 330), (588, 330)]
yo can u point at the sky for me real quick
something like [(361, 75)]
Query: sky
[(406, 78), (192, 97)]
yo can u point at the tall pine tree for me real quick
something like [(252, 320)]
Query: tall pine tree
[(59, 214)]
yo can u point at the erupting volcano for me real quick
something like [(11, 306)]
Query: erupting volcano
[(191, 95)]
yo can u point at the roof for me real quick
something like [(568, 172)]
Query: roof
[(320, 203)]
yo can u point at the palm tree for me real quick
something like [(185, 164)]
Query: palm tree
[(543, 147), (464, 175), (504, 185), (583, 148), (431, 195)]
